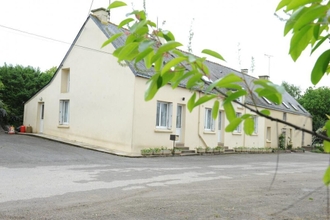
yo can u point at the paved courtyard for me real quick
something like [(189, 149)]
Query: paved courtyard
[(42, 179)]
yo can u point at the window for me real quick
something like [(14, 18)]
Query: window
[(164, 115), (64, 112), (65, 81), (286, 106), (255, 120), (295, 108), (302, 109), (238, 129), (284, 116), (209, 121), (268, 134), (266, 100)]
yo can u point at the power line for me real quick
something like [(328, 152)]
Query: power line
[(52, 39)]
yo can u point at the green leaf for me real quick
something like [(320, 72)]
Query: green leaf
[(225, 81), (320, 67), (310, 15), (184, 76), (112, 38), (165, 48), (249, 126), (203, 67), (127, 50), (143, 54), (191, 102), (233, 124), (152, 88), (147, 59), (215, 109), (235, 95), (159, 64), (152, 24), (204, 99), (139, 25), (265, 112), (298, 3), (213, 53), (172, 63), (326, 177), (282, 4), (166, 77), (293, 18), (300, 40), (327, 127), (124, 22), (229, 110), (168, 36), (320, 42), (192, 81), (116, 4)]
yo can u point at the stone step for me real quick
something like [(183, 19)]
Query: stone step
[(182, 148), (188, 151)]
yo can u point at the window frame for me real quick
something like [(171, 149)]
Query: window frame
[(64, 112), (164, 121), (209, 122), (238, 129)]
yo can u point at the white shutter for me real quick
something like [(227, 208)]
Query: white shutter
[(60, 113), (169, 116)]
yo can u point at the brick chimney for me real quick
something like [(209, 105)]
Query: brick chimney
[(102, 14), (264, 77)]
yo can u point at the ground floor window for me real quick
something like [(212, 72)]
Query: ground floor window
[(164, 115), (209, 121), (64, 112), (238, 129)]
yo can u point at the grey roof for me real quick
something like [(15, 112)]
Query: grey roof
[(216, 71)]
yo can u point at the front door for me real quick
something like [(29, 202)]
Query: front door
[(179, 122), (219, 127), (41, 117)]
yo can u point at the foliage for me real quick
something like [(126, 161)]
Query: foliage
[(294, 91), (281, 141), (18, 85), (317, 102)]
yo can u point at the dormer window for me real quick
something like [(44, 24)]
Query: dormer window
[(266, 100), (286, 106), (302, 109), (295, 108)]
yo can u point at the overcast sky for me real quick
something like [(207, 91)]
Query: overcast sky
[(39, 32)]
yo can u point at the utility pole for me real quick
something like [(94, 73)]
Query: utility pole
[(269, 56)]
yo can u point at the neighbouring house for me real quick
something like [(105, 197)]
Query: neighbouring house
[(93, 99)]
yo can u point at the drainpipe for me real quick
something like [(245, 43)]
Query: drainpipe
[(199, 123)]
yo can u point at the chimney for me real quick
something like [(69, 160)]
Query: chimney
[(264, 77), (102, 14), (245, 71)]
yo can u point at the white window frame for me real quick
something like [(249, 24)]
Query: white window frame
[(269, 134), (293, 106), (238, 129), (255, 120), (209, 124), (164, 115), (64, 112)]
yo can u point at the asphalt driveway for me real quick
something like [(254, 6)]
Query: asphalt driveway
[(42, 179)]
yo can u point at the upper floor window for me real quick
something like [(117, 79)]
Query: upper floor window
[(238, 129), (164, 115), (65, 81)]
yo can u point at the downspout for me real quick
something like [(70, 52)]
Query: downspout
[(199, 125), (243, 131)]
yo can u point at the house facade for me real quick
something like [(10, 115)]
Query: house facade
[(93, 99)]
